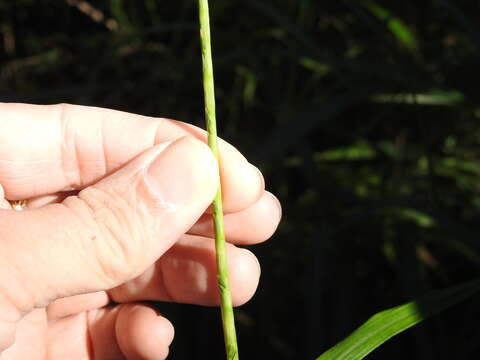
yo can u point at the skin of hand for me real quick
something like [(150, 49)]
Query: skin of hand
[(117, 214)]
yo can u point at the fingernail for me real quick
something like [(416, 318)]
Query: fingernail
[(176, 174)]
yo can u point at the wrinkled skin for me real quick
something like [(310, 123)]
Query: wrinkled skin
[(115, 217)]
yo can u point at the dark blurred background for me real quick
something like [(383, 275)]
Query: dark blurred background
[(363, 115)]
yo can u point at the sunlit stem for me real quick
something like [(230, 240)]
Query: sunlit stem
[(221, 254)]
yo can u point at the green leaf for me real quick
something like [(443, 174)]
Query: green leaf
[(396, 26), (118, 10), (360, 150), (438, 98), (386, 324)]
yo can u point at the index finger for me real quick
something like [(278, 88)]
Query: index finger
[(46, 149)]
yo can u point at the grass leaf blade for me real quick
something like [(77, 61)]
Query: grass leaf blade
[(388, 323), (396, 26)]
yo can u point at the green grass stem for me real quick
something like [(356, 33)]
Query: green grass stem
[(226, 307)]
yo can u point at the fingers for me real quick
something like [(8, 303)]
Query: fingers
[(250, 226), (142, 333), (187, 274), (71, 305), (4, 204), (129, 331), (253, 225), (47, 149), (43, 200), (29, 340), (112, 231)]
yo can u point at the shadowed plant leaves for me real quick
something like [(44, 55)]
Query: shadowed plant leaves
[(396, 26), (386, 324)]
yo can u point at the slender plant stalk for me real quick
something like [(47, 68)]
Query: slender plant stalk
[(226, 307)]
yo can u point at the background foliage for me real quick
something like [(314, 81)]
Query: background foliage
[(362, 114)]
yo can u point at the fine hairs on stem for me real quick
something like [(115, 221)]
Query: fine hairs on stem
[(226, 307)]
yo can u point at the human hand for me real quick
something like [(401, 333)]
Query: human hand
[(116, 213)]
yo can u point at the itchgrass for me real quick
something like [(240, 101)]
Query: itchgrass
[(228, 321), (353, 130)]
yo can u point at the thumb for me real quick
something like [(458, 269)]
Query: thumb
[(112, 231)]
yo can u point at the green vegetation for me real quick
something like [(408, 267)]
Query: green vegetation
[(226, 306), (388, 323), (364, 116)]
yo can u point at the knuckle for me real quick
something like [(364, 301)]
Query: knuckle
[(119, 240)]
